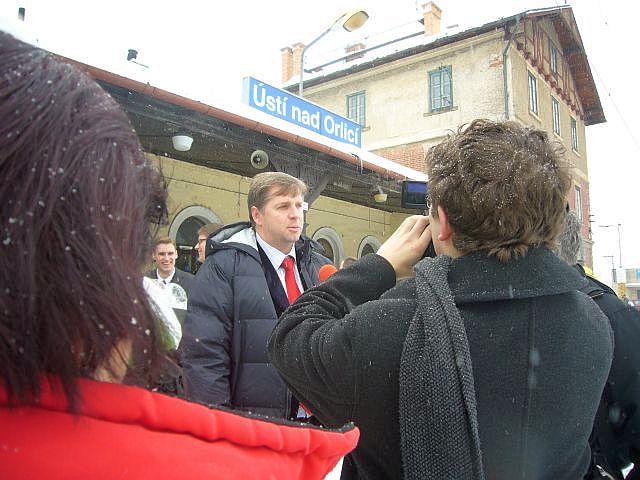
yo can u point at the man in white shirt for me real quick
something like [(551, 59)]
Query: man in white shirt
[(164, 255), (252, 272)]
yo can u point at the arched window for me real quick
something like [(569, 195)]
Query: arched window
[(331, 242), (369, 244), (328, 249), (184, 230)]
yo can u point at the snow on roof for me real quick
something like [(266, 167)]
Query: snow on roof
[(402, 38)]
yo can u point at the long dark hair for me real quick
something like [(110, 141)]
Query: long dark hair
[(77, 201)]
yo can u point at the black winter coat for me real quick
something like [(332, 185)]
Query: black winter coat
[(616, 435), (540, 351), (229, 318)]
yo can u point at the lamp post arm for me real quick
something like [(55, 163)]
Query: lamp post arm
[(304, 50), (619, 247), (619, 240)]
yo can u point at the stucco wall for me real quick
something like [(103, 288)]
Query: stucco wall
[(397, 94), (399, 125), (544, 118)]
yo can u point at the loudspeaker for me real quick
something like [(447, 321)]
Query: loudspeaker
[(259, 159)]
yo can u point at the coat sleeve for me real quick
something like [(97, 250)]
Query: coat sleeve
[(624, 381), (206, 339), (187, 280), (312, 345)]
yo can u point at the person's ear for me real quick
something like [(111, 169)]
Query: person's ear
[(256, 216), (446, 231)]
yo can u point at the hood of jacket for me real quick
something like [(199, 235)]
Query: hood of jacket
[(243, 236)]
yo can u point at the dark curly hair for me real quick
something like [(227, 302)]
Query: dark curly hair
[(502, 185), (77, 200)]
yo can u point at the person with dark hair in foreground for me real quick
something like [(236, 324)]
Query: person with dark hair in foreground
[(77, 199), (615, 441), (486, 362)]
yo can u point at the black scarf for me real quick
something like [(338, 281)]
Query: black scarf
[(438, 418)]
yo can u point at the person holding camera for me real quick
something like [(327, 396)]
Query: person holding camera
[(486, 362)]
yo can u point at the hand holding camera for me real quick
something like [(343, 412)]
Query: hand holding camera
[(407, 245)]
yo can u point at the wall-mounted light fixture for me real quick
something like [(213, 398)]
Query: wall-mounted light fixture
[(182, 143), (380, 196)]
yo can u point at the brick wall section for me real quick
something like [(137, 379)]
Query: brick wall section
[(354, 51), (432, 16), (410, 155), (286, 64), (296, 50)]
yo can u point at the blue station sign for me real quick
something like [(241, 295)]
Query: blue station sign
[(293, 109)]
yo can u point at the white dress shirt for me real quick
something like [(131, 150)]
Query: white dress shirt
[(165, 280), (276, 257)]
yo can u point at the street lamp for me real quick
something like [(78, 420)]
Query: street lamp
[(613, 269), (619, 244), (350, 21)]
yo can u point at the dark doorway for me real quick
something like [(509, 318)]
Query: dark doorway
[(186, 238)]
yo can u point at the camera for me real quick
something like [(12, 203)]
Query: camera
[(414, 196)]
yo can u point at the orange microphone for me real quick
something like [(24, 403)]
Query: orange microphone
[(326, 271)]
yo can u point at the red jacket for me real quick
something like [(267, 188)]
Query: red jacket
[(125, 432)]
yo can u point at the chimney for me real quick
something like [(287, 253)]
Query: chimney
[(432, 14), (287, 64), (296, 48), (354, 51)]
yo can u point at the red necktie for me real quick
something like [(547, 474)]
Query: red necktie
[(293, 291)]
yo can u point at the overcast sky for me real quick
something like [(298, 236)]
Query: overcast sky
[(202, 49)]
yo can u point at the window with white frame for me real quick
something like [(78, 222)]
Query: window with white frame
[(368, 244), (577, 200), (184, 230), (574, 134), (555, 111), (533, 94), (440, 89), (331, 242), (356, 103)]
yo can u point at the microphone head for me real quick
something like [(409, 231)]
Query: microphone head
[(326, 271)]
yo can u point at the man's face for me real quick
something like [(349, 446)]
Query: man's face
[(200, 247), (279, 222), (165, 257)]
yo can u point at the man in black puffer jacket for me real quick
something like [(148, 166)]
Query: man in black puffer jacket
[(239, 292)]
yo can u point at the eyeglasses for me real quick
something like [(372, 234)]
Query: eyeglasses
[(427, 201)]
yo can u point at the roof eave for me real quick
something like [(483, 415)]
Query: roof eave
[(593, 112)]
